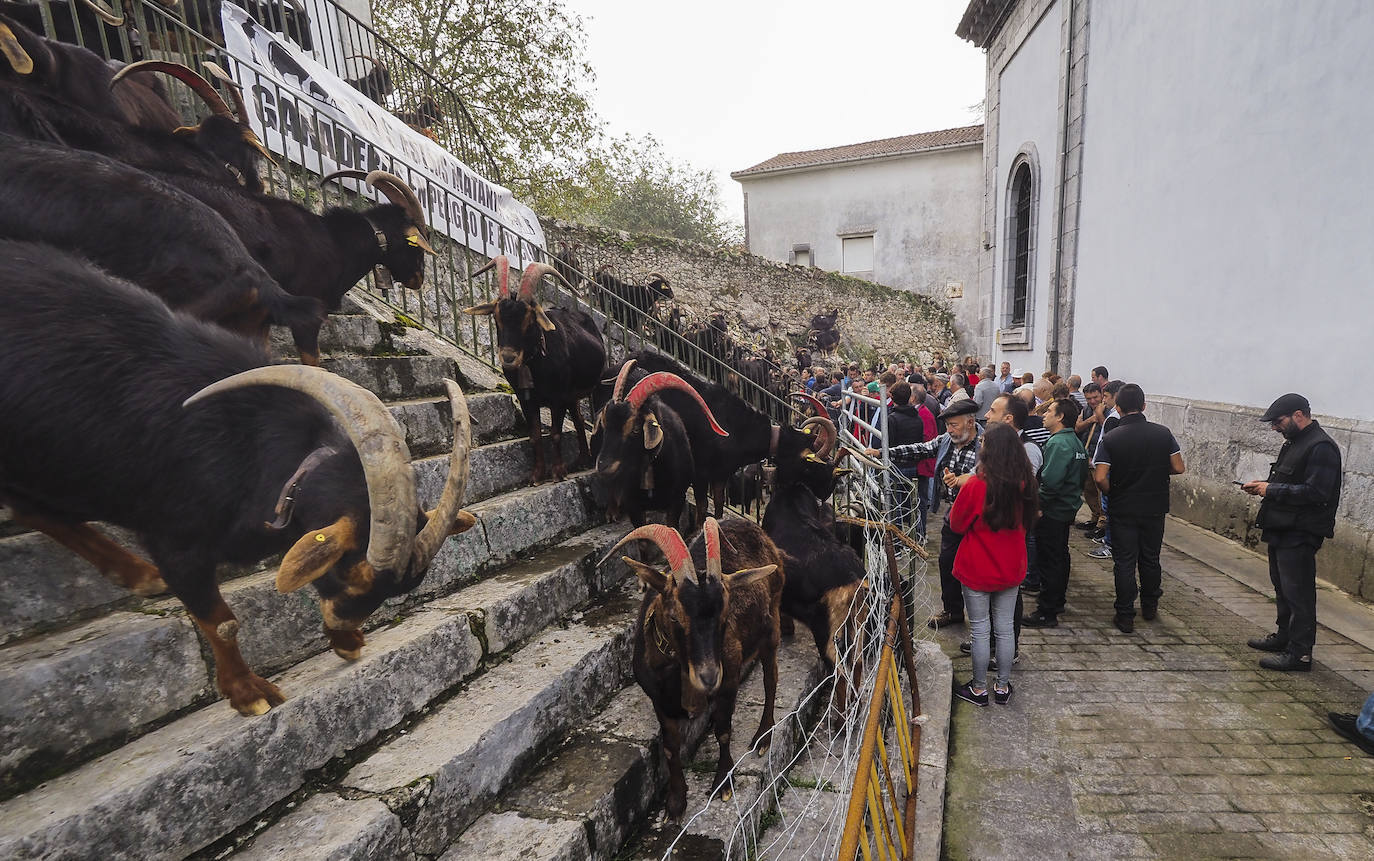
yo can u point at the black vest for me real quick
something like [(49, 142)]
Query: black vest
[(1291, 468), (906, 425), (1141, 465)]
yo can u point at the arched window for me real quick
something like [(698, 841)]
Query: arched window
[(1023, 192), (1020, 231)]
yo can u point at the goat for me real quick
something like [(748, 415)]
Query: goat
[(753, 437), (146, 418), (645, 458), (803, 359), (425, 115), (180, 249), (698, 628), (551, 358), (376, 82), (83, 22), (566, 262), (825, 581), (628, 303), (32, 105), (323, 256)]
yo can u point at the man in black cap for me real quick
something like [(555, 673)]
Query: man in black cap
[(1297, 514), (956, 456)]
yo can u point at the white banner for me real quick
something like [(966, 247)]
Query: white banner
[(305, 112)]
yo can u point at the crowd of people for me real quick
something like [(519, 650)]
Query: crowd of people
[(1014, 459)]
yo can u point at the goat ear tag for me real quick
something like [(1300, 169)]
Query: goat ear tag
[(653, 432), (315, 553), (415, 240)]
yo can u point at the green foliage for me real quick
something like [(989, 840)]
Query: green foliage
[(521, 69)]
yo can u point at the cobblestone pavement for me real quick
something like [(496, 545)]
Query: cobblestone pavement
[(1170, 742)]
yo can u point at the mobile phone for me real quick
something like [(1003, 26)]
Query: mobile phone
[(1239, 483)]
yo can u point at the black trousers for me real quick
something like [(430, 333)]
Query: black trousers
[(1052, 555), (1293, 571), (1136, 542), (951, 592)]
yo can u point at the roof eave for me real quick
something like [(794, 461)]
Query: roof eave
[(822, 165), (982, 20)]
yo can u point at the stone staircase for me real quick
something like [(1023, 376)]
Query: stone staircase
[(494, 703)]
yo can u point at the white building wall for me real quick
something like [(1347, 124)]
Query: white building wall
[(922, 209), (1226, 231), (1028, 120)]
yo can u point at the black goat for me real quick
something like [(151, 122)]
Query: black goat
[(824, 334), (76, 22), (825, 582), (628, 303), (698, 629), (149, 233), (323, 256), (753, 437), (645, 458), (253, 464), (376, 82), (551, 358), (424, 115)]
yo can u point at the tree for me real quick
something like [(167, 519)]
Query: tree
[(520, 67)]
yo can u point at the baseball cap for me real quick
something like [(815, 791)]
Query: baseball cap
[(1286, 405)]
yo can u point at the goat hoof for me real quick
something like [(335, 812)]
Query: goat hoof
[(347, 643), (255, 708), (251, 695), (151, 588), (726, 794)]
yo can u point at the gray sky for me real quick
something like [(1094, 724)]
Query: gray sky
[(725, 85)]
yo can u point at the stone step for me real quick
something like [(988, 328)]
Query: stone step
[(195, 780), (441, 773), (393, 378), (62, 699), (341, 334), (590, 796), (43, 585)]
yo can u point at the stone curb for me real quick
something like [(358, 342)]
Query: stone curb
[(341, 333), (394, 378)]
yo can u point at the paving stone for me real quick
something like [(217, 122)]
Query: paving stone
[(329, 828)]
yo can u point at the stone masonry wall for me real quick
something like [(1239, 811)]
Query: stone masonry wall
[(769, 303), (1223, 443)]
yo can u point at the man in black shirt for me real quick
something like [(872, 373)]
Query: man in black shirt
[(1297, 514), (1135, 461)]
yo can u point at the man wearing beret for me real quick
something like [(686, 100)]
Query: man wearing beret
[(956, 455), (1297, 513)]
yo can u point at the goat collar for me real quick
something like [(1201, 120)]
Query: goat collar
[(380, 234), (773, 441), (237, 174), (664, 645)]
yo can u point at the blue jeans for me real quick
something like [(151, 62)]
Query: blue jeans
[(1003, 608), (1365, 722), (1106, 525)]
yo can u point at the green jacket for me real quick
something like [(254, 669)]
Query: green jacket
[(1062, 476)]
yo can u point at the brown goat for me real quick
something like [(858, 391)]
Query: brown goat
[(698, 628)]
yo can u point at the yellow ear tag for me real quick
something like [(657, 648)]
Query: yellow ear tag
[(319, 536), (412, 240)]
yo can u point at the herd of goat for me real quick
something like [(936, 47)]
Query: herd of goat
[(143, 265)]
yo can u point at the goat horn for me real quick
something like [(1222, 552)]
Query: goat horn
[(398, 193), (378, 439), (502, 266), (374, 60), (241, 108), (621, 378), (829, 436), (446, 512), (813, 401), (662, 380), (105, 13), (187, 76), (533, 273), (345, 173), (655, 275), (14, 52), (669, 541), (711, 532)]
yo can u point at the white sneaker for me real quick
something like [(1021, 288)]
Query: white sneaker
[(1101, 553)]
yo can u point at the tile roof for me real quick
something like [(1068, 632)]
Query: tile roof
[(904, 145)]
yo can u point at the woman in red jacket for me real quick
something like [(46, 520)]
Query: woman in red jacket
[(995, 506)]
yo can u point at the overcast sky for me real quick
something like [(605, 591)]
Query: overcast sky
[(725, 84)]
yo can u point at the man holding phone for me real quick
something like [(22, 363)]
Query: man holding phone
[(956, 456), (1297, 513)]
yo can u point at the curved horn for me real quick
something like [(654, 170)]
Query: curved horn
[(669, 541), (189, 77), (398, 193), (14, 52), (502, 266), (378, 439), (105, 13), (829, 436), (620, 379), (235, 89), (533, 273), (655, 276), (662, 380), (711, 531), (346, 174), (813, 401), (446, 511)]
